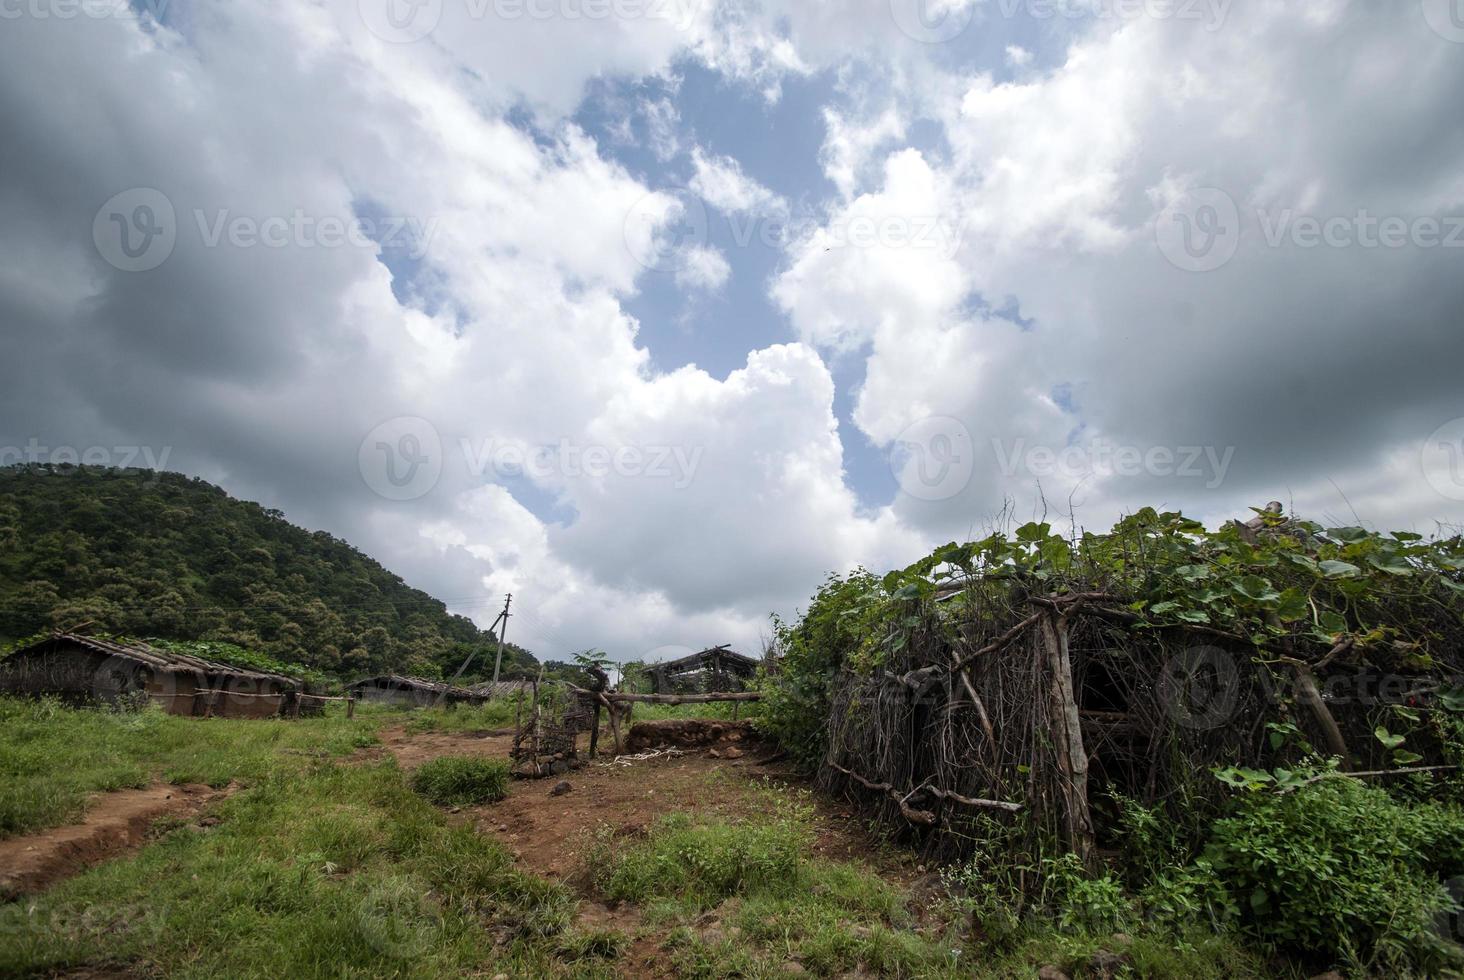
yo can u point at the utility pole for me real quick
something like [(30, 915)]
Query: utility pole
[(498, 661)]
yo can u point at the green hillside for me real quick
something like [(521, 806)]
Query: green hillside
[(164, 555)]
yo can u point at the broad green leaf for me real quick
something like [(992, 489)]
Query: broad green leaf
[(1340, 569), (1389, 740)]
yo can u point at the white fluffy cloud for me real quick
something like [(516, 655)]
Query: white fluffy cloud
[(1060, 325), (987, 257), (722, 184)]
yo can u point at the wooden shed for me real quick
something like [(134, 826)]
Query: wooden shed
[(713, 669), (84, 669), (412, 692)]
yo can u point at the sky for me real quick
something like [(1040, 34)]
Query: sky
[(654, 313)]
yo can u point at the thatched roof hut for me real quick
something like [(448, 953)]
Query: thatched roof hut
[(412, 692), (83, 669), (713, 669), (1026, 685), (502, 689)]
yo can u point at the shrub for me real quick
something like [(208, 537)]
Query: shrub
[(1338, 865), (460, 780)]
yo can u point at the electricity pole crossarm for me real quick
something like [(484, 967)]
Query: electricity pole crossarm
[(498, 661)]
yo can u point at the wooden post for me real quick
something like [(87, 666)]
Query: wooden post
[(350, 706), (295, 707), (1067, 738), (594, 729), (615, 727)]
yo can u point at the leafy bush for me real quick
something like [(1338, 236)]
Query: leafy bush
[(1338, 865), (462, 780)]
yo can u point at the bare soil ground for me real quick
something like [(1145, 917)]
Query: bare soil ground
[(115, 824), (413, 749)]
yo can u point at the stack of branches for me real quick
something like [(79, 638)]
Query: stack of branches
[(1032, 681)]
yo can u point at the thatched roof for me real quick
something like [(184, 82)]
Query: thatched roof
[(502, 689), (164, 661), (727, 658), (400, 682)]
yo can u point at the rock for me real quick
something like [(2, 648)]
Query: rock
[(559, 768), (503, 828), (1107, 965), (1052, 973), (560, 788), (732, 752), (794, 967), (713, 754)]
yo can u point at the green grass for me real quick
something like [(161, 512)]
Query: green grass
[(747, 898), (721, 710), (489, 716), (333, 871), (462, 780), (52, 757)]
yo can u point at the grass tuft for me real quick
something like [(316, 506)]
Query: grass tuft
[(462, 780)]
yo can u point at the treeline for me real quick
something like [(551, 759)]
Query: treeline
[(150, 554)]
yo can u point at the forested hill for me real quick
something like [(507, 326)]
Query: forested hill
[(164, 555)]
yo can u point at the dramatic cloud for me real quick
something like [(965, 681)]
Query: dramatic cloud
[(414, 283)]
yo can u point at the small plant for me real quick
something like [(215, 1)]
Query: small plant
[(462, 780)]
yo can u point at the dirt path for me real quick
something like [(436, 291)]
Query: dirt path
[(413, 749), (115, 823)]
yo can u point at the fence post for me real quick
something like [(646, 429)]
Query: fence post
[(1068, 748), (295, 708), (350, 706)]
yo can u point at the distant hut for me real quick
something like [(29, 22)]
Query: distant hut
[(502, 689), (713, 669), (85, 669), (411, 692)]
